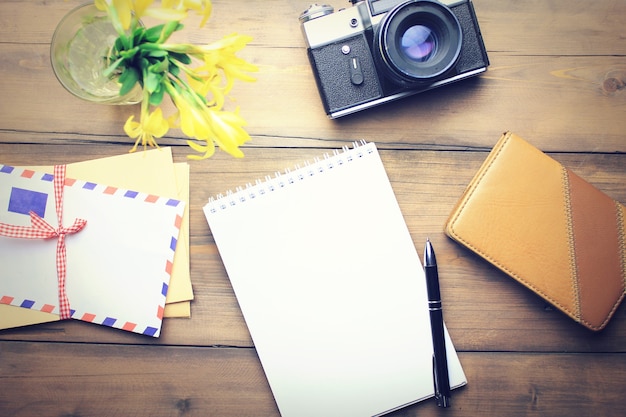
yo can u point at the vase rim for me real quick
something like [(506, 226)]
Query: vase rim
[(59, 57)]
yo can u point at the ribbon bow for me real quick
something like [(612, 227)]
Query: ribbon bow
[(40, 229)]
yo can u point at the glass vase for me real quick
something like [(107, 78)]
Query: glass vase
[(79, 53)]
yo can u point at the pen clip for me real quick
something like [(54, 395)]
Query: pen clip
[(435, 380), (442, 400)]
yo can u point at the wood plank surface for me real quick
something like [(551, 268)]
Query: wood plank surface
[(106, 381), (557, 78)]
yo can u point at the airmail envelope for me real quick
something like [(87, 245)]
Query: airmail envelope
[(151, 171), (118, 265)]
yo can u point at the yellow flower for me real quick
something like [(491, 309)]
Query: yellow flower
[(120, 12), (193, 120), (224, 57), (141, 57), (209, 125), (202, 7), (228, 130), (216, 57), (140, 7), (167, 14), (150, 126), (229, 44), (207, 148), (209, 86), (124, 11)]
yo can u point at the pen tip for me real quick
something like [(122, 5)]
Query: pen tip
[(429, 254)]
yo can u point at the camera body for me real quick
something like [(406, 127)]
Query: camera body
[(381, 50)]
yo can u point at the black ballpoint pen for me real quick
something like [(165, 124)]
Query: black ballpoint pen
[(440, 359)]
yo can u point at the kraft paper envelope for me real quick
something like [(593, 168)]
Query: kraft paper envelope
[(149, 171), (181, 275), (118, 266)]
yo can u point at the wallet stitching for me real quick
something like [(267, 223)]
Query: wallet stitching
[(622, 239), (571, 244), (493, 260), (622, 248)]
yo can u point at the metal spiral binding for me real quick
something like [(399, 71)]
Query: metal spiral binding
[(289, 177)]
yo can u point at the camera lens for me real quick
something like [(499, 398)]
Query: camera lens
[(417, 42)]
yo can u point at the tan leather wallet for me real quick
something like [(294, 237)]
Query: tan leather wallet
[(547, 228)]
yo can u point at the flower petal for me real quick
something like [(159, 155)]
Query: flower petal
[(123, 8), (166, 14), (208, 149), (156, 125), (141, 6), (131, 127)]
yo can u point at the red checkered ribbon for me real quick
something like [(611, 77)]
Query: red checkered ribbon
[(40, 229)]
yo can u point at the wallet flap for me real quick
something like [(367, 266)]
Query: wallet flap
[(547, 228), (596, 222)]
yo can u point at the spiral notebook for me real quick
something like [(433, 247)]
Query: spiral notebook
[(331, 287)]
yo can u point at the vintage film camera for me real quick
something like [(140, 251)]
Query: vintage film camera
[(382, 50)]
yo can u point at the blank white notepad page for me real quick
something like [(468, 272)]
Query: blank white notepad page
[(331, 287)]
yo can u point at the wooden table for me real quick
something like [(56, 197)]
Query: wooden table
[(556, 78)]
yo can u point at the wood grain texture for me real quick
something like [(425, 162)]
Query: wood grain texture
[(54, 379), (561, 89), (557, 78)]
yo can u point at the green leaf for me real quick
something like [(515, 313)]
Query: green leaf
[(111, 68), (125, 74), (129, 78), (174, 69), (154, 33), (119, 44), (157, 97), (150, 46), (125, 43), (182, 58), (160, 66), (130, 53), (169, 28), (152, 81), (138, 35), (157, 53)]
